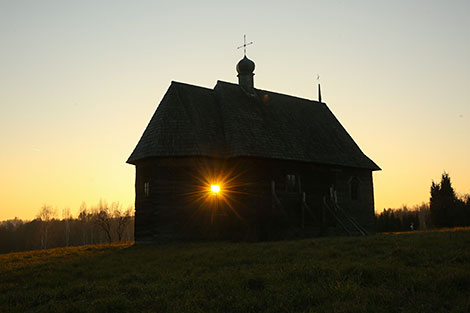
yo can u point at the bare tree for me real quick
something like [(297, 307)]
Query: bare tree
[(83, 217), (102, 217), (66, 217), (45, 215), (122, 218)]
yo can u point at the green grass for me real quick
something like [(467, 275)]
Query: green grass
[(413, 272)]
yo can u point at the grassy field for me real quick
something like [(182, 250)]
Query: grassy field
[(412, 272)]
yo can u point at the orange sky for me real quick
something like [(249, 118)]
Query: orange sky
[(80, 81)]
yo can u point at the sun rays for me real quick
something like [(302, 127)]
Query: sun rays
[(215, 187)]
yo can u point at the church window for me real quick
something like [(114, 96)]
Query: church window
[(354, 186), (290, 182), (146, 189)]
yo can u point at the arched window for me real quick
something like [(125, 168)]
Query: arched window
[(354, 188)]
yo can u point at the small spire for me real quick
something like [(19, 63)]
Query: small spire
[(319, 93), (319, 88)]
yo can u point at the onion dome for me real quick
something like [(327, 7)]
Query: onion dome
[(245, 66)]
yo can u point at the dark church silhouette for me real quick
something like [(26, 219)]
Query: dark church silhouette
[(285, 166)]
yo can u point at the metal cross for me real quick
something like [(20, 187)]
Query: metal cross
[(245, 44)]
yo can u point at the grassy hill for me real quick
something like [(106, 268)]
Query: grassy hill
[(413, 272)]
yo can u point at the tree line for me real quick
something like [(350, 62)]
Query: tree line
[(102, 223), (445, 209), (107, 223)]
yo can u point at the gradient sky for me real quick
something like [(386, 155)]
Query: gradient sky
[(79, 81)]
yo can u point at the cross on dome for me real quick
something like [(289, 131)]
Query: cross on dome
[(245, 44)]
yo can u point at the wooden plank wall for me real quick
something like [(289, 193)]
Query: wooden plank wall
[(173, 211)]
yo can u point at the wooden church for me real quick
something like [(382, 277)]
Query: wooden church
[(237, 162)]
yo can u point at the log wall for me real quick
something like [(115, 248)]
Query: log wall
[(179, 206)]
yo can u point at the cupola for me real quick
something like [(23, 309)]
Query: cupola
[(245, 75)]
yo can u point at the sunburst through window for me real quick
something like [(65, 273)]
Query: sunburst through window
[(215, 189)]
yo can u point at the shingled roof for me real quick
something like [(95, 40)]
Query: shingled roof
[(227, 122)]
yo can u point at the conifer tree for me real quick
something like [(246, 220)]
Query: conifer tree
[(443, 202)]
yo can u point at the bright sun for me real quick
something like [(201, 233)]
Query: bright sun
[(215, 188)]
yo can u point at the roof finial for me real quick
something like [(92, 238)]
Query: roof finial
[(319, 89), (245, 44)]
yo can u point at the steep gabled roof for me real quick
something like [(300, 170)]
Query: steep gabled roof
[(227, 122), (187, 123)]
